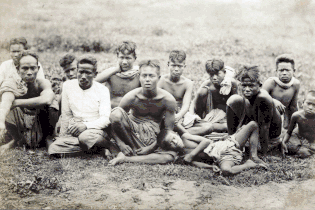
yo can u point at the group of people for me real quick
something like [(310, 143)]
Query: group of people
[(149, 118)]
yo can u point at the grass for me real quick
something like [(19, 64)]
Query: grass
[(252, 32)]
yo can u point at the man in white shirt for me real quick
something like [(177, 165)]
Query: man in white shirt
[(85, 112), (17, 45)]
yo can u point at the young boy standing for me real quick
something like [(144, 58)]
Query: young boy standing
[(284, 88), (302, 139), (176, 84), (125, 76)]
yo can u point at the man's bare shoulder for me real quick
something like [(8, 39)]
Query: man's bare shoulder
[(298, 114), (263, 95), (187, 81), (297, 83), (43, 83)]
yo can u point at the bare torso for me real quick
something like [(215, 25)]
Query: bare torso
[(118, 87), (177, 89), (306, 126)]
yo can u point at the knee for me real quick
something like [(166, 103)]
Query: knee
[(234, 99), (253, 125), (116, 116), (304, 153), (167, 159), (226, 170)]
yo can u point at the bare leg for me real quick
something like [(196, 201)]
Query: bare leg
[(205, 165), (149, 159), (206, 128), (228, 167)]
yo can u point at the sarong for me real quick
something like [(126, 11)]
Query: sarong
[(143, 132), (226, 150), (27, 124)]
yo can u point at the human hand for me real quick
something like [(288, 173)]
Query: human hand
[(126, 149), (177, 117), (279, 106), (143, 151), (284, 148), (2, 130), (188, 158), (76, 129)]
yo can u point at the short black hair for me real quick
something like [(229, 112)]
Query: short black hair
[(66, 60), (19, 40), (128, 46), (153, 63), (248, 71), (26, 53), (177, 55), (88, 59), (213, 66), (287, 58)]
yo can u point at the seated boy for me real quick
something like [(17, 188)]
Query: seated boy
[(85, 112), (301, 140), (176, 84), (210, 101), (125, 76), (284, 88)]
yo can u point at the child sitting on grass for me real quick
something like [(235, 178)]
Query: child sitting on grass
[(301, 141)]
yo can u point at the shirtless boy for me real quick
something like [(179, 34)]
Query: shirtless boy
[(210, 101), (284, 88), (28, 116), (125, 76), (136, 133), (176, 84), (302, 139), (255, 105)]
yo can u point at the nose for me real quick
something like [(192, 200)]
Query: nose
[(247, 88), (29, 73), (124, 61), (215, 77)]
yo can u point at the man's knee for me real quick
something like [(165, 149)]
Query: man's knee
[(304, 152), (116, 116), (226, 170), (166, 158), (89, 138), (234, 99), (253, 125)]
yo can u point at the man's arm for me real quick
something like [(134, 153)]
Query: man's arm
[(127, 101), (186, 100), (268, 85), (287, 136), (104, 111), (107, 73), (66, 113), (46, 96), (293, 104), (170, 107)]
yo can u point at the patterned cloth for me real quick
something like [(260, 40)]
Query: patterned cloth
[(13, 84), (130, 74), (281, 84), (143, 131)]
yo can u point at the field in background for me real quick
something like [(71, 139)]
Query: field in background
[(237, 31)]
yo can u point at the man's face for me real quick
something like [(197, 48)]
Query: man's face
[(176, 68), (216, 79), (16, 52), (86, 74), (285, 72), (71, 70), (309, 105), (125, 61), (249, 88), (28, 68), (148, 77)]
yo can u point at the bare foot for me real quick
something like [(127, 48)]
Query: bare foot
[(188, 158), (108, 155), (6, 147), (119, 159), (260, 162)]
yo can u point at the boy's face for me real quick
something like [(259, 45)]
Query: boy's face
[(71, 70), (216, 79), (309, 105), (148, 77), (86, 74), (28, 68), (285, 72), (125, 61), (249, 88), (176, 68), (174, 142), (16, 52)]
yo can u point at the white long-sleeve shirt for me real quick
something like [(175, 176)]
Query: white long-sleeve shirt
[(8, 68), (91, 106)]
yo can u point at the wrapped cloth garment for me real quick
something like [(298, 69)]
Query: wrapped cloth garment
[(281, 84), (143, 131), (13, 84), (130, 74)]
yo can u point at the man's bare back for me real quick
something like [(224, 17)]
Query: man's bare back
[(306, 125)]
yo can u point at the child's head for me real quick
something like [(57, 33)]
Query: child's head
[(249, 75), (176, 63), (216, 71), (56, 81), (285, 67), (149, 74), (17, 45), (169, 140), (309, 103), (126, 54), (28, 66), (69, 65)]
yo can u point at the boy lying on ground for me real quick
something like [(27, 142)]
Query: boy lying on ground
[(301, 140)]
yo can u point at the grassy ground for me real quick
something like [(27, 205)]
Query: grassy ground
[(249, 32)]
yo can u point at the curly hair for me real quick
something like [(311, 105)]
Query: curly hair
[(66, 60), (19, 40), (248, 71), (128, 46), (177, 55)]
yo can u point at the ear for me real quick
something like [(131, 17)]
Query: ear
[(168, 63), (95, 74)]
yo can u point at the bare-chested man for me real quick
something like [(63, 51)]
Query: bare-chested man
[(176, 84), (301, 140), (28, 116), (284, 88), (136, 133), (125, 76), (210, 101), (255, 105)]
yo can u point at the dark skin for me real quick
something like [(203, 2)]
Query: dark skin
[(260, 110)]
